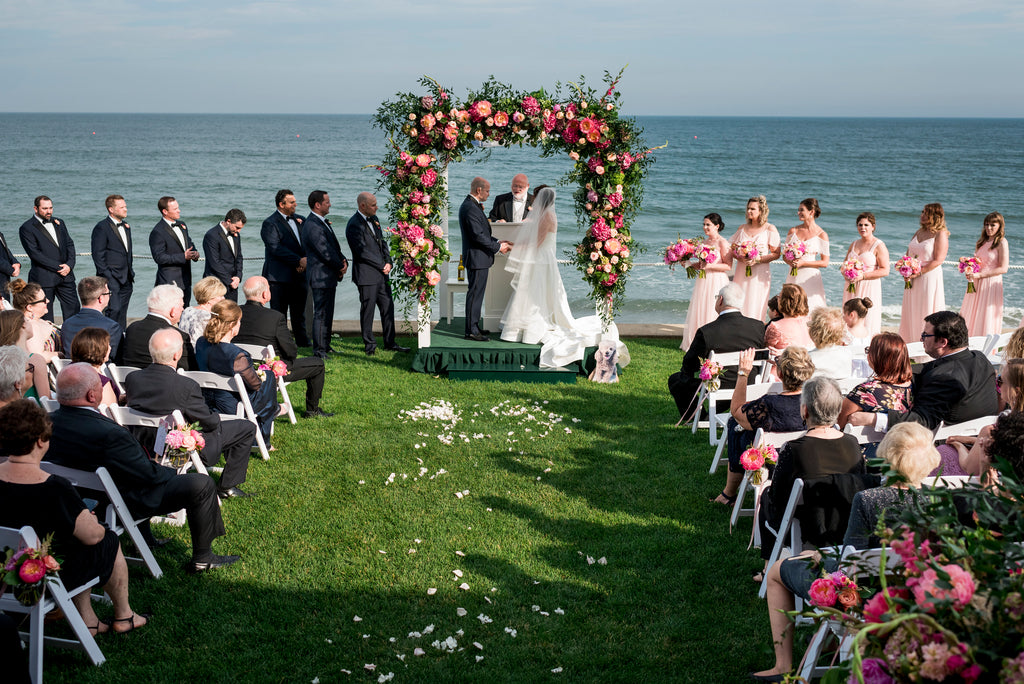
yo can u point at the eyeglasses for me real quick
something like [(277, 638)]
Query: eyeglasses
[(44, 300), (105, 294), (925, 336), (866, 350)]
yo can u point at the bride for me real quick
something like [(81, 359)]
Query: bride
[(538, 312)]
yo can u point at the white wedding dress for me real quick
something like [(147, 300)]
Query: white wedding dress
[(538, 312)]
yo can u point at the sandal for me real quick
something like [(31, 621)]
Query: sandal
[(94, 630), (131, 622), (757, 576), (729, 500)]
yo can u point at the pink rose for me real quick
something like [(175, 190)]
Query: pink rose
[(607, 268), (433, 278), (406, 158), (594, 135), (428, 178), (32, 570), (590, 270), (927, 589), (427, 122), (612, 246), (461, 115), (480, 110), (188, 443), (574, 155), (489, 121), (50, 562), (599, 170), (823, 593), (518, 117), (501, 119), (478, 135), (423, 160)]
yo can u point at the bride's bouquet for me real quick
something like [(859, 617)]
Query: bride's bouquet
[(792, 252), (852, 270), (706, 254), (909, 267), (970, 265), (746, 251)]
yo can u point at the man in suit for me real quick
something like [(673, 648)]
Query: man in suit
[(165, 304), (223, 250), (478, 250), (284, 264), (159, 389), (172, 248), (515, 205), (9, 267), (371, 274), (730, 332), (52, 253), (83, 438), (326, 266), (262, 325), (95, 295), (112, 255), (959, 385)]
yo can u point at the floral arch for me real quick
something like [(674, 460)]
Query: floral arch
[(429, 131)]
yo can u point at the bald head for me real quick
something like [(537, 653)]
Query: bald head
[(479, 188), (520, 184), (79, 385), (367, 203), (165, 347), (256, 289)]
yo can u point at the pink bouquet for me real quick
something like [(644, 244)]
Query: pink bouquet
[(25, 571), (908, 267), (710, 373), (706, 254), (747, 251), (755, 458), (679, 251), (835, 588), (180, 441), (970, 265), (276, 366), (792, 252), (852, 269)]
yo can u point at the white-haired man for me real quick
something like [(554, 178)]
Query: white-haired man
[(165, 304), (12, 373)]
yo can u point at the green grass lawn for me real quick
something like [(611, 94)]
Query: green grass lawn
[(329, 538)]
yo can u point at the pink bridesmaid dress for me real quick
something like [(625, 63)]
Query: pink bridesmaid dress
[(702, 303), (872, 289), (810, 278), (925, 297), (756, 287), (983, 309)]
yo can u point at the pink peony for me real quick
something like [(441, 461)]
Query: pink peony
[(878, 605), (927, 589), (626, 160), (406, 158), (32, 570), (280, 368), (611, 279), (612, 246), (874, 672), (571, 135), (428, 178), (501, 119), (823, 593), (416, 196), (615, 199), (594, 135), (433, 278), (173, 439), (427, 122), (480, 110), (531, 106), (751, 459), (411, 232), (591, 196), (423, 160)]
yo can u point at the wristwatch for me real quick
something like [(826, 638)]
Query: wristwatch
[(741, 373)]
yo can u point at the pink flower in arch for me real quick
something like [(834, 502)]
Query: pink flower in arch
[(433, 278), (501, 119), (423, 160), (615, 199), (611, 279), (600, 230), (612, 246), (927, 589), (427, 101), (518, 117), (823, 593), (411, 269), (428, 178), (427, 122), (530, 106)]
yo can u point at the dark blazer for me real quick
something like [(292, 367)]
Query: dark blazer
[(478, 245), (90, 318), (45, 255), (172, 266), (952, 389), (221, 262), (7, 262), (113, 261), (135, 348), (85, 439), (501, 210), (324, 259), (282, 251), (262, 325), (368, 254)]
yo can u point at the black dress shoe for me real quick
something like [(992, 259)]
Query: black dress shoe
[(234, 493), (767, 678), (215, 562), (317, 413), (478, 338), (157, 543), (371, 352), (397, 348)]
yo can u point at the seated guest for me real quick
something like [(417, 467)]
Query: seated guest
[(889, 388), (908, 450), (165, 304), (31, 496), (29, 299), (959, 385), (160, 390), (262, 325), (92, 346), (95, 296), (208, 292), (792, 329), (730, 332), (16, 331), (855, 316), (85, 439), (821, 451), (772, 412), (13, 361), (773, 309), (831, 357), (217, 354), (1014, 349)]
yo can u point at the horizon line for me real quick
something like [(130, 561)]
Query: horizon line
[(678, 116)]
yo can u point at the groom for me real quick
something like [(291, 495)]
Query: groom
[(478, 250)]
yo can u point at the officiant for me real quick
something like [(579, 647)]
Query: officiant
[(513, 206)]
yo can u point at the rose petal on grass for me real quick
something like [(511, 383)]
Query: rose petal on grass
[(545, 613), (464, 587), (535, 608), (478, 645), (602, 561), (559, 611), (431, 591), (366, 636), (356, 618), (400, 656), (328, 641), (487, 599), (479, 658), (511, 632), (418, 652), (457, 573), (590, 560), (429, 629), (556, 670), (412, 550), (414, 635), (460, 554), (385, 678), (458, 495), (362, 482), (483, 619), (369, 667), (461, 612)]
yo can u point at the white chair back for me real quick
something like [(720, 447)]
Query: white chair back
[(267, 352), (969, 428), (754, 391), (117, 374), (236, 386), (761, 438)]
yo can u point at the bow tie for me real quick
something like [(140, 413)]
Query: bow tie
[(120, 224), (177, 224)]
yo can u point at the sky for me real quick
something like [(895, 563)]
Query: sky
[(923, 58)]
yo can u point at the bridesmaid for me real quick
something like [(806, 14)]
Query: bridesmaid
[(983, 309), (705, 290), (809, 266), (875, 256), (930, 245), (757, 286)]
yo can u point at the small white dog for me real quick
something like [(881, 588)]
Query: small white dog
[(607, 356)]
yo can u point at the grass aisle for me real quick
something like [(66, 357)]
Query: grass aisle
[(329, 538)]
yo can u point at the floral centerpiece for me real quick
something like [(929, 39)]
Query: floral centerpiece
[(747, 251), (971, 265), (908, 267), (705, 254), (852, 270), (792, 252), (710, 374), (180, 442), (27, 570), (756, 458)]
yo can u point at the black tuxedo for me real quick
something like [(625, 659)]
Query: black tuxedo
[(135, 348), (85, 439), (501, 210), (114, 262), (46, 257), (7, 262), (324, 263), (952, 389), (478, 250), (160, 390), (370, 254), (221, 262), (169, 255), (730, 332), (90, 318), (264, 326), (282, 254)]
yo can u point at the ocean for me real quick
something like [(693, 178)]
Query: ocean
[(212, 163)]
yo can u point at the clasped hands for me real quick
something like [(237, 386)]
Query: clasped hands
[(505, 246)]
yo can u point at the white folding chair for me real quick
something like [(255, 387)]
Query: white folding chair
[(761, 438), (969, 427), (865, 434), (789, 529), (235, 385), (49, 405), (761, 371), (754, 391), (117, 374), (54, 596), (59, 364), (267, 352), (916, 350)]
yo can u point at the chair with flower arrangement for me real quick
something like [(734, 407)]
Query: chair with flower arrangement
[(754, 391), (267, 352), (55, 596), (761, 439), (710, 392), (235, 385)]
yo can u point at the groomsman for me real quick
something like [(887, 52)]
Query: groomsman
[(223, 250), (284, 264), (478, 250), (9, 267), (515, 205), (112, 256), (373, 265), (327, 266), (172, 248), (52, 254)]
